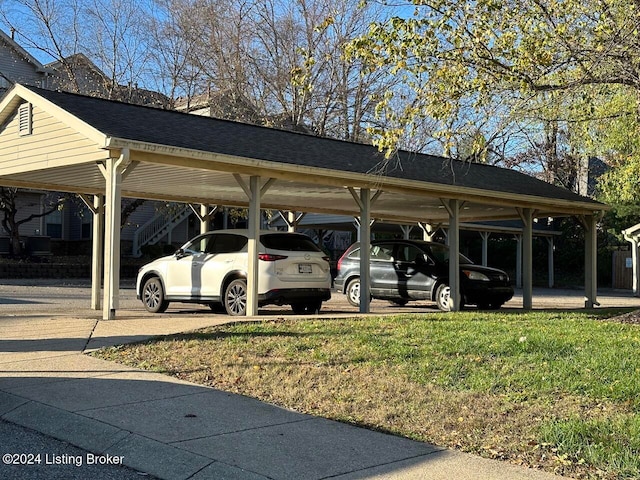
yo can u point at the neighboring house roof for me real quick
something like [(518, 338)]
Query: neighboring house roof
[(190, 158), (39, 67), (78, 60), (91, 80), (234, 105)]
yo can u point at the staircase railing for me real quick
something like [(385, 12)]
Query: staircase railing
[(157, 228)]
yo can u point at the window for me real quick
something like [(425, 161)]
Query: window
[(289, 242), (198, 244), (24, 119), (409, 253), (54, 224), (226, 244), (382, 252)]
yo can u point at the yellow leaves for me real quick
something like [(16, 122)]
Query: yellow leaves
[(328, 21)]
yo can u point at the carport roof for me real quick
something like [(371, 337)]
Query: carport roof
[(186, 142)]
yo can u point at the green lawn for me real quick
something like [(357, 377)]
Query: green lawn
[(559, 391)]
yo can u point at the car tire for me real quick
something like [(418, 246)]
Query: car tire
[(489, 306), (235, 298), (400, 302), (308, 308), (443, 292), (353, 292), (217, 307), (153, 296)]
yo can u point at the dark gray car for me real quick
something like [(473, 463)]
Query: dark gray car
[(405, 270)]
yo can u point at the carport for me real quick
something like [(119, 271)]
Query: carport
[(104, 150)]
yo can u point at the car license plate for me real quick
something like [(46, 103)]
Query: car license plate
[(305, 268)]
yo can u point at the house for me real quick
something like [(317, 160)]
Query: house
[(78, 73), (18, 66)]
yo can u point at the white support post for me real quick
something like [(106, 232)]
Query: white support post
[(550, 261), (428, 231), (635, 259), (518, 238), (204, 218), (365, 249), (590, 262), (98, 250), (453, 237), (406, 231), (526, 214), (254, 193), (485, 247), (113, 171), (291, 219), (96, 205), (632, 236), (252, 247), (291, 222)]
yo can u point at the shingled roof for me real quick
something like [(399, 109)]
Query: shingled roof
[(181, 130)]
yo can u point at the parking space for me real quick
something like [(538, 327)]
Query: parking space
[(72, 298)]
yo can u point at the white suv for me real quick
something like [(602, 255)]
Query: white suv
[(212, 269)]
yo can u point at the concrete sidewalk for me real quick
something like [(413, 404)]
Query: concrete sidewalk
[(177, 430)]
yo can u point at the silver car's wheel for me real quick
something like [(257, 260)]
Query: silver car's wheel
[(153, 296), (235, 298), (443, 294), (442, 297), (353, 292)]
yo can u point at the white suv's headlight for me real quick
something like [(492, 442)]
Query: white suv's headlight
[(472, 275)]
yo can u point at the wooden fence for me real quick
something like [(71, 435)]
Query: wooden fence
[(622, 270)]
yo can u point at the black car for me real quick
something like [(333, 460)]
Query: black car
[(405, 270)]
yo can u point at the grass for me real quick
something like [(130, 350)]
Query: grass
[(551, 390)]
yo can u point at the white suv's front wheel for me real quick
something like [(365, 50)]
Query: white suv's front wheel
[(235, 298)]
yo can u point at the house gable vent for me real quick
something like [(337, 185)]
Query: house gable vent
[(24, 119)]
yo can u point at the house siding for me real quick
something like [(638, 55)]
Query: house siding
[(28, 203), (51, 142), (17, 69)]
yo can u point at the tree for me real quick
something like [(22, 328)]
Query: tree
[(9, 198), (109, 33), (278, 63), (467, 61)]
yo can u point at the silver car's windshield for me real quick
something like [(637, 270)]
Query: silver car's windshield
[(441, 255)]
